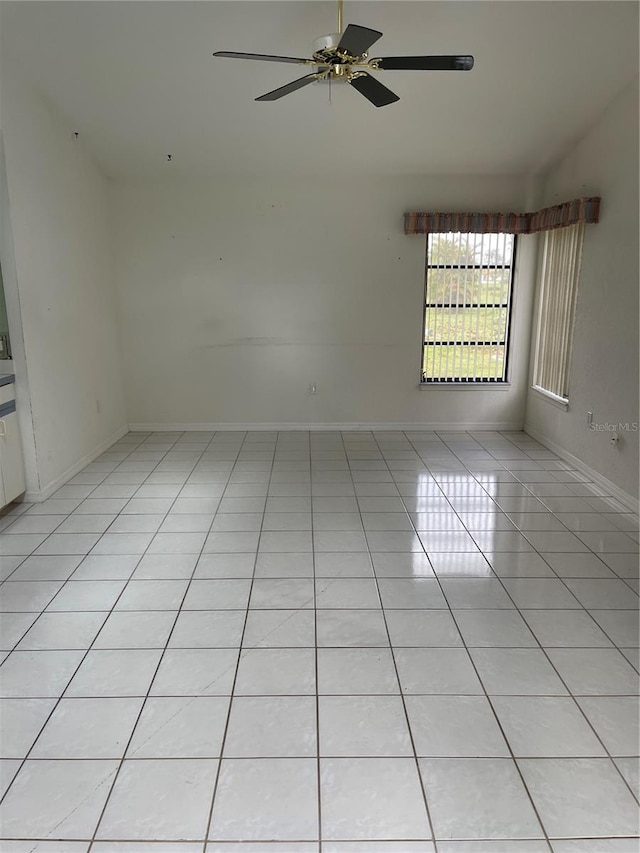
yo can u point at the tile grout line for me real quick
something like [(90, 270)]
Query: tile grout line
[(497, 720), (401, 694), (216, 781)]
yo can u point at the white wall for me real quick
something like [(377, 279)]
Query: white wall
[(60, 290), (604, 363), (235, 296)]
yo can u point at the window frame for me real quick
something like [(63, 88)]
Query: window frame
[(470, 382)]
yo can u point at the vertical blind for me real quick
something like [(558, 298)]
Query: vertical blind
[(562, 253)]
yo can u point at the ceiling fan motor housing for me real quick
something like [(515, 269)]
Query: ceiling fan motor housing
[(328, 42), (324, 49)]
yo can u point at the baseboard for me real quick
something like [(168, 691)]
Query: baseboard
[(48, 490), (342, 426), (611, 488)]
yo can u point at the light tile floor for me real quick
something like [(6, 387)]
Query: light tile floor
[(362, 642)]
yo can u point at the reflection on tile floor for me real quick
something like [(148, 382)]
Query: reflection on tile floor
[(333, 642)]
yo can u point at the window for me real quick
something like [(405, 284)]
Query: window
[(555, 310), (469, 282)]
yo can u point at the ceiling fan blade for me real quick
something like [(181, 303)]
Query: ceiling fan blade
[(229, 54), (373, 90), (357, 40), (290, 87), (425, 63)]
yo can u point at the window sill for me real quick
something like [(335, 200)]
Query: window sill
[(468, 386), (549, 397)]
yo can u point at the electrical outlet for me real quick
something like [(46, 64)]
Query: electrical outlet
[(589, 418), (615, 438), (313, 388)]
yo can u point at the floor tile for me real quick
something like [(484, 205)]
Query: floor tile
[(595, 671), (208, 629), (474, 593), (195, 672), (565, 628), (440, 671), (180, 727), (356, 671), (269, 799), (600, 845), (225, 566), (87, 595), (516, 672), (109, 567), (63, 631), (568, 565), (227, 594), (469, 564), (13, 626), (363, 726), (29, 810), (339, 541), (494, 628), (372, 798), (402, 565), (420, 628), (545, 593), (545, 726), (351, 628), (285, 541), (21, 721), (54, 568), (293, 593), (346, 593), (37, 674), (275, 672), (455, 726), (120, 672), (88, 728), (622, 626), (133, 630), (160, 798), (630, 770), (578, 797), (271, 727), (616, 720), (284, 565), (603, 594), (340, 564), (165, 566), (152, 595), (411, 593), (604, 542), (27, 596), (520, 565), (8, 771), (477, 798), (279, 628)]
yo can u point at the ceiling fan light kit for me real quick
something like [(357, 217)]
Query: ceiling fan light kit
[(342, 58)]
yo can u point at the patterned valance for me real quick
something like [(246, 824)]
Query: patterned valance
[(559, 216)]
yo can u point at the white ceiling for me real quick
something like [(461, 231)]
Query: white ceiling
[(138, 81)]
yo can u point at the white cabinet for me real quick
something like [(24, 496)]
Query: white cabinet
[(11, 464), (12, 483)]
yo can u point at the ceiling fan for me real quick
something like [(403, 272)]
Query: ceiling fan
[(342, 58)]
